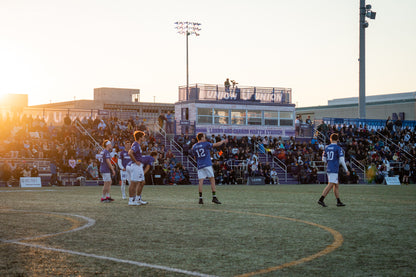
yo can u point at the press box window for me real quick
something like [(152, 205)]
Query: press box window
[(204, 115), (271, 118), (221, 116), (238, 117), (254, 117), (286, 118)]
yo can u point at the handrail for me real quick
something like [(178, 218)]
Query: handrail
[(392, 142), (177, 147), (161, 132), (84, 131), (359, 166), (275, 160), (321, 134), (282, 165)]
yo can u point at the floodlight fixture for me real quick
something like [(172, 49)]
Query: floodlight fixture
[(188, 28)]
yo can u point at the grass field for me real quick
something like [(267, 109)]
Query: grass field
[(258, 230)]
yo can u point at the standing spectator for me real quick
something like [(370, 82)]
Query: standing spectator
[(54, 174), (389, 125), (161, 120), (169, 123), (227, 85), (406, 173)]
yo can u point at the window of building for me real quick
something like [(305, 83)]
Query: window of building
[(286, 118), (254, 117), (238, 117), (221, 116), (204, 115), (271, 118)]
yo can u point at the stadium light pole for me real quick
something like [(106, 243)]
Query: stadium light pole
[(365, 11), (187, 28)]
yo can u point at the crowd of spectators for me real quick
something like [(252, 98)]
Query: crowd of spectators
[(385, 152)]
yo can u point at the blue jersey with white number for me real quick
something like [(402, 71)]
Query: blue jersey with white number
[(332, 154), (201, 151)]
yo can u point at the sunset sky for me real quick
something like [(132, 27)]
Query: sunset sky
[(56, 50)]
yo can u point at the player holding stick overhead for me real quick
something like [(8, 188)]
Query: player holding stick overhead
[(333, 156), (201, 151)]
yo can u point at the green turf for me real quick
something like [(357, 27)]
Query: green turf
[(249, 232)]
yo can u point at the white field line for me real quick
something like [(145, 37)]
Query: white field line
[(91, 222)]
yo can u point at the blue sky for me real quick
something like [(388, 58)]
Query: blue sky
[(57, 50)]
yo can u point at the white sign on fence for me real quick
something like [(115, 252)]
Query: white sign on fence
[(392, 180), (30, 182)]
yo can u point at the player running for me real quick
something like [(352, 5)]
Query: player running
[(201, 151), (333, 156), (123, 161)]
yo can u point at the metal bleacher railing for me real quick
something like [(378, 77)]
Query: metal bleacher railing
[(275, 161)]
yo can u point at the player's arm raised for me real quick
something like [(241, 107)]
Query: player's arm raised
[(220, 143)]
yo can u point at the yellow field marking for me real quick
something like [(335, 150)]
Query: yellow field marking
[(338, 240)]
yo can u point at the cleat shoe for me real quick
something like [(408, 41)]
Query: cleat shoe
[(134, 203), (104, 200), (142, 202), (201, 201), (340, 204), (215, 200), (109, 199), (322, 203)]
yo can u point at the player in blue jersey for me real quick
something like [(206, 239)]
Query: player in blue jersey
[(107, 170), (201, 151), (123, 161), (135, 167), (147, 162), (333, 156)]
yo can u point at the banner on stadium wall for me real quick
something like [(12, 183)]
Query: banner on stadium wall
[(245, 131), (30, 182)]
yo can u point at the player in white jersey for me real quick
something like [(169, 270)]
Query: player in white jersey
[(201, 151), (123, 161), (333, 156)]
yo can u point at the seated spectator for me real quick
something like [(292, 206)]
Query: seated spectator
[(34, 172)]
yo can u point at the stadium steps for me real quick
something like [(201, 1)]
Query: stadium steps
[(280, 172)]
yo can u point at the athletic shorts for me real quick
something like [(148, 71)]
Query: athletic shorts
[(124, 175), (206, 172), (106, 177), (135, 172), (333, 178)]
